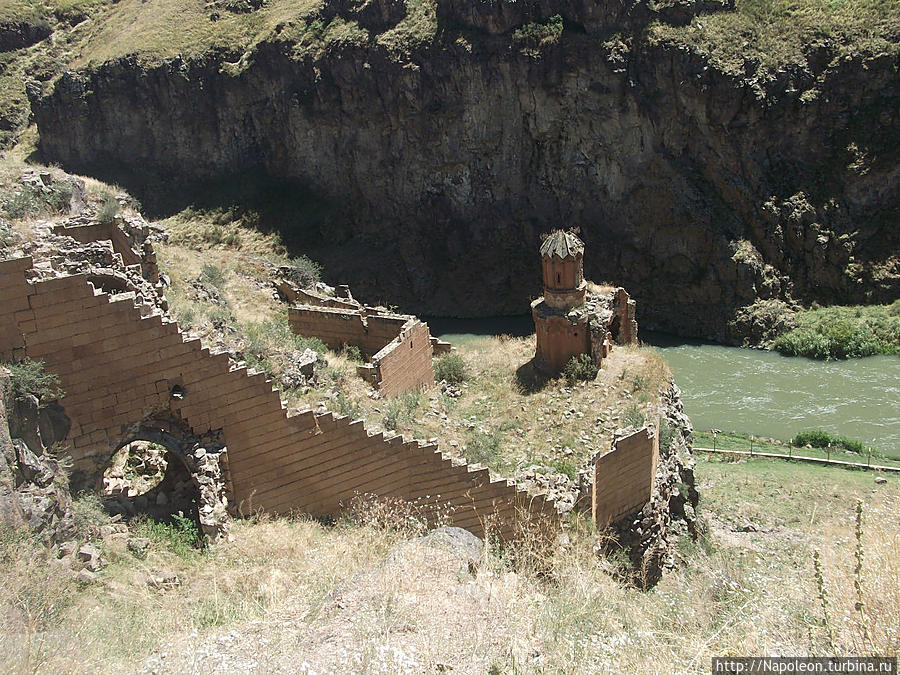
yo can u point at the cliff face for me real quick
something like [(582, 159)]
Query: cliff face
[(698, 191)]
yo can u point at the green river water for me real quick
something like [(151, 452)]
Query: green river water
[(758, 392)]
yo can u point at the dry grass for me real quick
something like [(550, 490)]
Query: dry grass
[(158, 29), (353, 597)]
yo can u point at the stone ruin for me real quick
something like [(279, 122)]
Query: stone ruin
[(398, 348), (570, 319), (87, 300)]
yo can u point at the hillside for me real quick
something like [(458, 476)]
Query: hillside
[(720, 157)]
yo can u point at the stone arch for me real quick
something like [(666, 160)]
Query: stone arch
[(201, 459)]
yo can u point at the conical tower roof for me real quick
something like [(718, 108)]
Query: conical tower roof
[(562, 244)]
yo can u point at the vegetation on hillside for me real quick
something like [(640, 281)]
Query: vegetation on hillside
[(843, 332), (268, 599), (767, 35)]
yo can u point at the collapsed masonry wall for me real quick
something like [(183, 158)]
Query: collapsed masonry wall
[(118, 368), (405, 362), (399, 348), (624, 477)]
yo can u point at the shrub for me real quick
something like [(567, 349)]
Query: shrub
[(108, 209), (348, 407), (843, 332), (400, 409), (353, 353), (304, 272), (451, 368), (483, 448), (28, 377), (213, 275), (182, 536), (29, 200), (581, 367), (536, 35), (818, 438)]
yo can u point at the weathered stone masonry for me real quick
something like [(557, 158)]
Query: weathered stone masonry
[(120, 368), (399, 348)]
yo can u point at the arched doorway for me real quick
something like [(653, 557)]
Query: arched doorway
[(160, 469)]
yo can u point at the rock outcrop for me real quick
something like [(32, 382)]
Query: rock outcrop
[(34, 491), (702, 191)]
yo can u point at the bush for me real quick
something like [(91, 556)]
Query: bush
[(304, 272), (213, 275), (353, 353), (822, 439), (843, 332), (400, 409), (30, 201), (181, 536), (108, 209), (484, 448), (581, 367), (451, 368), (28, 377), (348, 407)]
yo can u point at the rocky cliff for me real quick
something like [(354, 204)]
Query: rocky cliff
[(701, 191)]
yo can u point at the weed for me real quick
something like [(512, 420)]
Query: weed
[(451, 368), (182, 536), (399, 410), (581, 367), (392, 513), (634, 417), (108, 209), (27, 377), (565, 466), (484, 448), (88, 513)]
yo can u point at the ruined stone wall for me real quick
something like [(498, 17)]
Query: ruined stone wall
[(399, 347), (333, 326), (118, 368), (405, 363), (559, 338), (624, 477)]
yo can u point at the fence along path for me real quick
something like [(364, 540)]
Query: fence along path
[(802, 458), (120, 363)]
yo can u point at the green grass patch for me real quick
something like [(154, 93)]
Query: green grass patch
[(182, 536), (765, 35), (843, 332), (819, 440), (822, 439)]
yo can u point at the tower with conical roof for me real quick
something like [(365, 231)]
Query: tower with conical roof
[(562, 255), (562, 332)]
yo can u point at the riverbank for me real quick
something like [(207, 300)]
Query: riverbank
[(843, 332)]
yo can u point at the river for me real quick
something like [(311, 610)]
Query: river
[(758, 392)]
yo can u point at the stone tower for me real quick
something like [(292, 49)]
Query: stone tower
[(561, 332)]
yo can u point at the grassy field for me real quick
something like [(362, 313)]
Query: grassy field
[(771, 34), (733, 441), (288, 592)]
